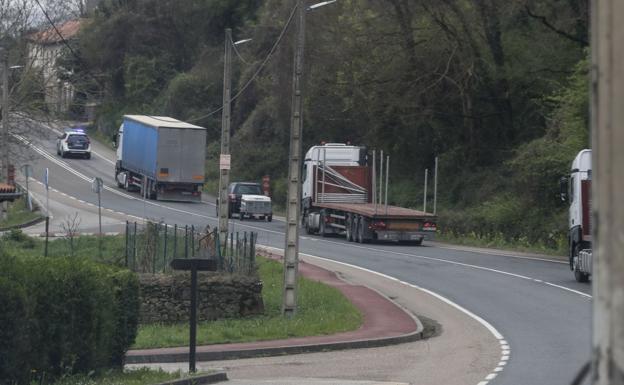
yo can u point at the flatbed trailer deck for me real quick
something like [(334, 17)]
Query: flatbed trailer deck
[(380, 211)]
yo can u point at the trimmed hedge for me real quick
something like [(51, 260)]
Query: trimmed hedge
[(64, 316)]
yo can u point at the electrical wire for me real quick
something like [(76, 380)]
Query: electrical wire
[(238, 53), (257, 72), (240, 91)]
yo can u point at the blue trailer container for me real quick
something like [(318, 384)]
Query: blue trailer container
[(161, 156)]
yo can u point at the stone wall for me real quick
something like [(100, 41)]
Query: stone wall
[(166, 298)]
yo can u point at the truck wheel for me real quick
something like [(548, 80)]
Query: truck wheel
[(349, 229), (306, 226), (578, 274), (241, 216), (126, 184), (322, 231), (270, 218), (119, 184), (358, 230), (362, 230)]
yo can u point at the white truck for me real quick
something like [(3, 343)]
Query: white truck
[(339, 196), (577, 189)]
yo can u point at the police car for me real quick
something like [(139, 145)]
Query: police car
[(74, 142)]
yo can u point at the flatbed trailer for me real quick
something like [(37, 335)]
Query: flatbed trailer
[(338, 193)]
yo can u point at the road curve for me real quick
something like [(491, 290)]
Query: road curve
[(536, 305)]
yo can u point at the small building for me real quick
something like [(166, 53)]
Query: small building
[(44, 47)]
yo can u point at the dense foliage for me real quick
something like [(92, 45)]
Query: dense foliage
[(496, 90), (62, 316)]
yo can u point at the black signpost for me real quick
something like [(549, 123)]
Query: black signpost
[(194, 265)]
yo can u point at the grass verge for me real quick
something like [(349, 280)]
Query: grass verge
[(18, 244), (19, 214), (322, 310), (142, 376), (497, 241)]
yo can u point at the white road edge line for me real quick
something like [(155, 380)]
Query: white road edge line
[(497, 253), (467, 265), (504, 357), (68, 168)]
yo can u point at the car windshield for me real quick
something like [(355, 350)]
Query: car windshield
[(248, 189), (77, 138)]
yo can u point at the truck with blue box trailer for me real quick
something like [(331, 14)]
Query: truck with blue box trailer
[(161, 157)]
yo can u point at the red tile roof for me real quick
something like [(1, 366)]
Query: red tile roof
[(68, 30)]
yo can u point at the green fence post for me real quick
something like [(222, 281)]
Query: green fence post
[(127, 235), (175, 241), (165, 251), (192, 241), (134, 250), (185, 241)]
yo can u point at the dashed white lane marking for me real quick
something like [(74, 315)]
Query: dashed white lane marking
[(500, 253), (499, 337), (385, 251), (68, 168)]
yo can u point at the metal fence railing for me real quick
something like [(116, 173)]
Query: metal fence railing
[(151, 246)]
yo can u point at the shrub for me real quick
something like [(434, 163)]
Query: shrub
[(63, 318), (13, 332), (126, 314)]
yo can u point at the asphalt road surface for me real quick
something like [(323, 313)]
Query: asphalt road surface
[(535, 304)]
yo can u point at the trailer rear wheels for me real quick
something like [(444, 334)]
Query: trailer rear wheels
[(306, 225), (578, 274), (322, 230), (349, 229), (269, 218)]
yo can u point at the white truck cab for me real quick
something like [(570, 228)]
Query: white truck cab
[(330, 154), (579, 218)]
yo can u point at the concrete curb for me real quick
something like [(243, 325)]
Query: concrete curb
[(23, 225), (202, 379), (29, 223), (182, 356), (275, 351)]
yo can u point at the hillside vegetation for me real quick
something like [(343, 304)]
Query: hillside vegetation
[(497, 91)]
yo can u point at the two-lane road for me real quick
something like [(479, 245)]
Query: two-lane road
[(535, 304)]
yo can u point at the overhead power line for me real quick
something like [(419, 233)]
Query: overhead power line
[(258, 70)]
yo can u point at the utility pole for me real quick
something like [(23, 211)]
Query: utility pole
[(607, 123), (225, 158), (435, 186), (425, 191), (293, 200), (5, 113), (4, 146)]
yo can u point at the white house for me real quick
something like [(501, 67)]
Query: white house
[(44, 47)]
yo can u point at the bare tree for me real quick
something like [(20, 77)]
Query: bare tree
[(70, 228)]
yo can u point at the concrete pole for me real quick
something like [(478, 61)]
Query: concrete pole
[(293, 200), (435, 187), (374, 183), (607, 122), (224, 172), (387, 173), (425, 191), (5, 115), (4, 146), (380, 199)]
